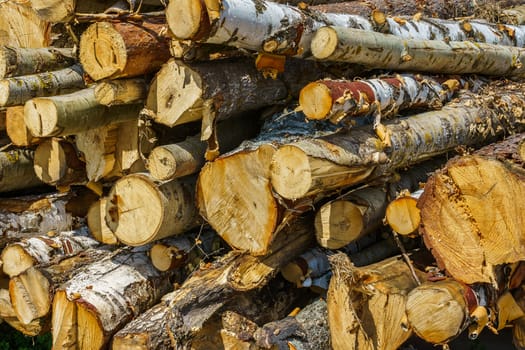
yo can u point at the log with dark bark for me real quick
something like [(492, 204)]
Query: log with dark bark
[(139, 210), (93, 305), (73, 113), (185, 92), (113, 50), (366, 305), (57, 163), (357, 46), (172, 161), (16, 170), (17, 90), (44, 250), (16, 61), (311, 166), (486, 218), (33, 290)]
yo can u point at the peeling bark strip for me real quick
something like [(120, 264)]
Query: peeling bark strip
[(17, 90), (19, 256), (113, 50), (16, 170), (94, 304), (139, 210), (340, 99), (488, 218), (72, 113), (366, 305), (456, 57), (16, 61), (233, 22), (474, 119)]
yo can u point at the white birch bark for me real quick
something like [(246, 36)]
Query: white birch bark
[(384, 51)]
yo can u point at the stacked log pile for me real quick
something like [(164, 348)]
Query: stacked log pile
[(238, 174)]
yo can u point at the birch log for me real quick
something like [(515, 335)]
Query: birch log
[(44, 250), (139, 210), (96, 303), (40, 218), (121, 91), (455, 57), (72, 113), (349, 158), (17, 90), (171, 161), (16, 170), (32, 291), (16, 127), (366, 304), (113, 50), (16, 61), (340, 99), (488, 223)]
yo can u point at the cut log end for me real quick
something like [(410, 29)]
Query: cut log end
[(184, 18), (437, 311), (16, 260), (4, 90), (176, 95), (30, 295), (291, 172), (337, 224), (64, 322), (4, 63), (16, 127), (97, 224), (241, 174), (40, 116), (324, 42), (316, 100), (521, 150), (108, 55), (403, 216), (134, 197), (166, 258), (90, 333), (162, 164)]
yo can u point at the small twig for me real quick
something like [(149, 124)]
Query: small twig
[(406, 257), (135, 17)]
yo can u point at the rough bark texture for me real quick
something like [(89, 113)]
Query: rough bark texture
[(104, 297), (472, 120), (456, 57), (17, 90), (366, 305), (485, 219), (341, 99), (139, 210), (112, 50), (16, 170), (16, 61), (72, 113), (38, 219)]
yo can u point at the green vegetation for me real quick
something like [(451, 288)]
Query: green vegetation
[(11, 339)]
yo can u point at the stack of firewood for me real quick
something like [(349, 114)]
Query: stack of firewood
[(241, 174)]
